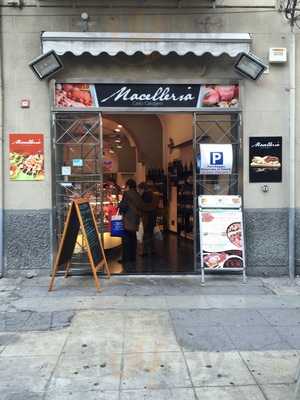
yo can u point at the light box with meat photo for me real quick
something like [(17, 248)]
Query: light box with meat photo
[(265, 159), (76, 95), (222, 243), (26, 157), (222, 96)]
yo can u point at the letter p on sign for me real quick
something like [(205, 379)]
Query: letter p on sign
[(216, 158)]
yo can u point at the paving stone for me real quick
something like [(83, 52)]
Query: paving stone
[(7, 339), (15, 321), (272, 367), (25, 374), (86, 395), (187, 302), (280, 317), (148, 321), (93, 342), (279, 392), (218, 369), (207, 338), (36, 344), (167, 394), (248, 338), (104, 320), (87, 373), (213, 317), (61, 319), (38, 322), (230, 393), (154, 371), (150, 342), (291, 334), (22, 396)]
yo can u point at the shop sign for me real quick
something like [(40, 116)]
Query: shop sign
[(222, 243), (118, 95), (265, 159), (77, 162), (215, 159), (26, 157), (66, 171), (220, 201)]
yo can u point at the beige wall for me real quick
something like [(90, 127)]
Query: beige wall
[(265, 103)]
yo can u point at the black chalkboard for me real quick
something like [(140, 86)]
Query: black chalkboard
[(91, 232), (69, 237), (80, 216)]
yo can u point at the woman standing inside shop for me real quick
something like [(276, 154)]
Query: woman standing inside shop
[(131, 207)]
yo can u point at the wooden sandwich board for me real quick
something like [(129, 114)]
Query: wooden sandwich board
[(80, 216)]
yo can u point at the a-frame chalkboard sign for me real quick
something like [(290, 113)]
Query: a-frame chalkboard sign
[(80, 216)]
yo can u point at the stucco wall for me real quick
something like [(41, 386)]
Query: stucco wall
[(265, 103)]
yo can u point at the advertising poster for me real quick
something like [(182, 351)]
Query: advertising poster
[(222, 243), (215, 159), (114, 95), (26, 157), (77, 95), (265, 159)]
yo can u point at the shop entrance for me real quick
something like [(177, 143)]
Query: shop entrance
[(95, 154)]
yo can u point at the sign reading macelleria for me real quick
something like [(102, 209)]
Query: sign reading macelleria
[(84, 95)]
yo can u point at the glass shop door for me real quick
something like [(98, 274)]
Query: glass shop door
[(77, 173)]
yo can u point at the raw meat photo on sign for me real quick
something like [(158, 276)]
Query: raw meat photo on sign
[(26, 157)]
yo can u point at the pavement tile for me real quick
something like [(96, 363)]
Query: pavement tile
[(148, 321), (166, 394), (25, 374), (207, 338), (150, 342), (279, 392), (291, 334), (94, 341), (7, 339), (230, 393), (61, 319), (145, 302), (38, 322), (218, 369), (272, 367), (14, 321), (36, 344), (214, 317), (86, 395), (248, 338), (82, 373), (22, 396), (187, 302), (281, 317), (104, 320), (154, 371)]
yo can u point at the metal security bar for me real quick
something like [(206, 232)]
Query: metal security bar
[(77, 170), (215, 129)]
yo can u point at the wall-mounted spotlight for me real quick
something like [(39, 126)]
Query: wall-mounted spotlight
[(45, 65), (250, 66)]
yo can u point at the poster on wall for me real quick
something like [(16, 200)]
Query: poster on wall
[(265, 159), (222, 242), (215, 159), (26, 157), (114, 95)]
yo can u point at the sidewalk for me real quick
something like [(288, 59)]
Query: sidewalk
[(152, 338)]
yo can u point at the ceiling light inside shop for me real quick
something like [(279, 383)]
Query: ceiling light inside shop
[(117, 130), (120, 126), (119, 146), (111, 151), (118, 140)]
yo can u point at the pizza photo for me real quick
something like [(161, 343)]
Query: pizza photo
[(234, 234), (265, 162)]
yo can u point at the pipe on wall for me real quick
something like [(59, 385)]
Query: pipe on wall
[(292, 160), (1, 164)]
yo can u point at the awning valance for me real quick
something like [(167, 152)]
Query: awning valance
[(96, 43)]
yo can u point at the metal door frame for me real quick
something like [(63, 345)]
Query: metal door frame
[(54, 226), (237, 165), (193, 113)]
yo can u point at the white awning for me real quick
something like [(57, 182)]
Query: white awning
[(96, 43)]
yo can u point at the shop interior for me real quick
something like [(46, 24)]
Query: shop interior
[(152, 148)]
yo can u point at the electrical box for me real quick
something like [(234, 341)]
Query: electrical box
[(277, 55)]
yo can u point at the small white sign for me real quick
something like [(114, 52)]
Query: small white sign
[(66, 171), (77, 162), (215, 159)]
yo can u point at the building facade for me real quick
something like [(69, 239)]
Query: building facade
[(28, 213)]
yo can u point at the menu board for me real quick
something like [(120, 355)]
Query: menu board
[(265, 159), (91, 232), (80, 216), (222, 240), (26, 157)]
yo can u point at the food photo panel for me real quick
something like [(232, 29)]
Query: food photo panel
[(265, 159)]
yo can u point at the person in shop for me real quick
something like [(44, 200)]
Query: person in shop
[(149, 196), (131, 207)]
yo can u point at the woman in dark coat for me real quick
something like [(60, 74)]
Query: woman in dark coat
[(131, 207)]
